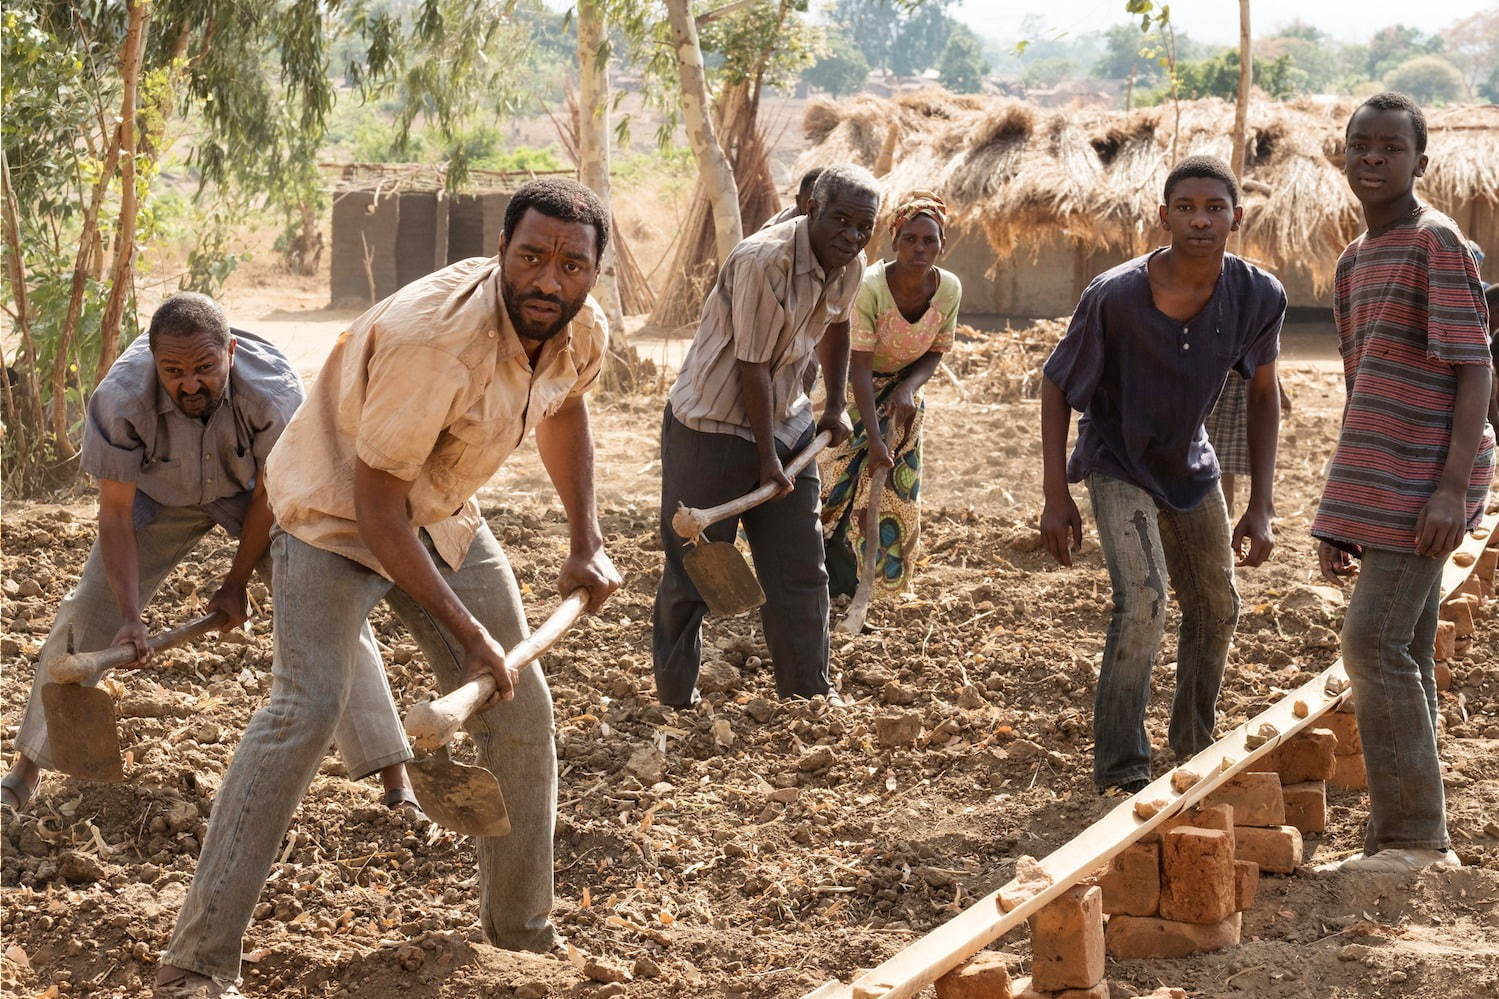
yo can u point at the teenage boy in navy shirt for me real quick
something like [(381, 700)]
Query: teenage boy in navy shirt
[(1144, 359)]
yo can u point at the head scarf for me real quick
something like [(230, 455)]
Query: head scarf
[(919, 203)]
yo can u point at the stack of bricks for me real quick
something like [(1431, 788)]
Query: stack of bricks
[(1066, 956), (1349, 772), (1179, 891), (1308, 760), (1261, 833)]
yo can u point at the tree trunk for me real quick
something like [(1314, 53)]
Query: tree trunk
[(593, 141), (713, 165), (23, 416), (120, 280), (1246, 79)]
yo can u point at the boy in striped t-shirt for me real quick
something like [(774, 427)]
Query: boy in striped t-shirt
[(1410, 472)]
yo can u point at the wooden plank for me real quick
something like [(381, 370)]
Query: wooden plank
[(949, 945)]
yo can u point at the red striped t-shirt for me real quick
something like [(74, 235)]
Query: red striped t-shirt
[(1409, 308)]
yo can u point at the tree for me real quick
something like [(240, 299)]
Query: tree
[(593, 137), (1428, 79), (1241, 101), (1049, 72), (842, 69), (1122, 44), (713, 166), (900, 36), (1472, 45), (1394, 45), (962, 66), (921, 40)]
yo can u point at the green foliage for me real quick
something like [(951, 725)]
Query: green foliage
[(1219, 77), (760, 41), (1428, 79), (1392, 46), (905, 37), (962, 66), (1049, 72), (841, 69)]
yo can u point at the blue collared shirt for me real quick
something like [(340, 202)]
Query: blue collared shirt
[(135, 432), (1145, 382)]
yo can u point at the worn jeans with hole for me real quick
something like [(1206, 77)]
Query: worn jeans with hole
[(785, 537), (322, 601), (369, 734), (1389, 648), (1146, 546)]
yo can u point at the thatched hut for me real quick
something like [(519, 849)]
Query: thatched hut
[(1045, 199)]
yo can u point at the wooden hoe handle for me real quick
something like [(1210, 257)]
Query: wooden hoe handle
[(87, 667), (432, 723), (689, 523)]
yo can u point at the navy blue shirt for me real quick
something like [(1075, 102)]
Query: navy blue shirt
[(1145, 382)]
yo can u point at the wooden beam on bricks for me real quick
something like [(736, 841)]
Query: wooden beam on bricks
[(928, 958)]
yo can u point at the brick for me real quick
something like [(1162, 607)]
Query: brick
[(1132, 884), (1067, 941), (1306, 805), (1149, 936), (1488, 565), (1352, 774), (1255, 798), (1276, 850), (1198, 817), (983, 976), (1442, 676), (1197, 875), (1459, 610), (1246, 884), (1307, 755), (1026, 991), (1446, 641), (1345, 727)]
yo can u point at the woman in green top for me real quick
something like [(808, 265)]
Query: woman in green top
[(903, 322)]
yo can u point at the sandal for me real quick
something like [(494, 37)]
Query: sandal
[(186, 986), (15, 791), (397, 796)]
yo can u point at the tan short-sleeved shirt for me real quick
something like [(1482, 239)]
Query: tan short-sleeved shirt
[(772, 303), (433, 386)]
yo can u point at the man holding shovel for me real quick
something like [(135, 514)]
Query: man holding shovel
[(373, 488), (738, 413), (177, 435)]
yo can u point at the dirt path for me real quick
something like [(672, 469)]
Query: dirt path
[(746, 848)]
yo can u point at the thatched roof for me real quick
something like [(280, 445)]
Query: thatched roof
[(1023, 174)]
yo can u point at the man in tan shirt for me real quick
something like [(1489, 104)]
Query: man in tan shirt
[(738, 411), (373, 484)]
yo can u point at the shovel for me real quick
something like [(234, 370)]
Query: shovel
[(853, 622), (467, 799), (716, 567), (81, 717)]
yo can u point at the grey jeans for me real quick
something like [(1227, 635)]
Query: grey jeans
[(1389, 645), (369, 734), (1146, 546), (322, 601), (785, 537)]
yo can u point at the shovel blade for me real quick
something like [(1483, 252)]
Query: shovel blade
[(81, 732), (464, 799), (720, 574)]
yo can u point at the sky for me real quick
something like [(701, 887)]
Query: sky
[(1217, 21)]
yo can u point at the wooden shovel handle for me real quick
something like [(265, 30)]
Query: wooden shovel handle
[(87, 667), (689, 523), (432, 723)]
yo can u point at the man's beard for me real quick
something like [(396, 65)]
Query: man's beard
[(209, 404), (529, 329)]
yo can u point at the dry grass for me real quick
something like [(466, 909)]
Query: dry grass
[(1022, 174)]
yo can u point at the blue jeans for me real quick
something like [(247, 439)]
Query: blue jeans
[(1145, 546), (1389, 644)]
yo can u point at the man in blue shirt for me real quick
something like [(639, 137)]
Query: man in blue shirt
[(1143, 360), (177, 434)]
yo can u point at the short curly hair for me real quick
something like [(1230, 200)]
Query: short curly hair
[(559, 198), (1209, 167), (1389, 100), (187, 314)]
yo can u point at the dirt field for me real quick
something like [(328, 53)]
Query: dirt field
[(746, 848)]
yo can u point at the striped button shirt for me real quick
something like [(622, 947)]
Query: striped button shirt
[(1409, 308), (771, 304)]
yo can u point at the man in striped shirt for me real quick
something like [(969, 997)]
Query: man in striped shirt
[(1410, 472), (738, 411)]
